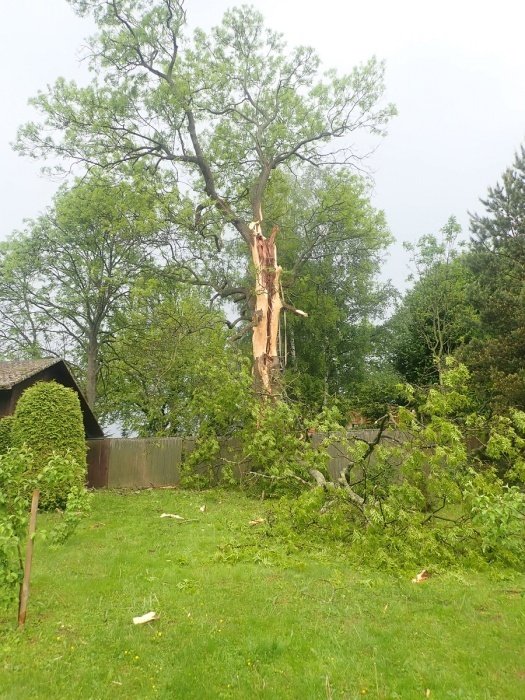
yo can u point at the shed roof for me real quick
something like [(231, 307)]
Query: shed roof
[(12, 373), (22, 371)]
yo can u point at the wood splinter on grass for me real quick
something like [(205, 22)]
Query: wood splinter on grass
[(422, 576), (178, 518), (257, 521), (147, 617)]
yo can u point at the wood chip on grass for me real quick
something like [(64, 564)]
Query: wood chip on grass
[(147, 617)]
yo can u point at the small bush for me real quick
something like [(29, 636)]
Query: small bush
[(15, 490), (6, 425), (19, 476), (58, 478), (48, 420)]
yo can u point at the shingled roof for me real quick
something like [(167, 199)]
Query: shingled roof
[(17, 375), (11, 373)]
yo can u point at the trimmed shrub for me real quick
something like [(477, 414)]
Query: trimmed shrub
[(48, 420), (6, 425)]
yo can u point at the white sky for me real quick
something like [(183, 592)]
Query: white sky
[(455, 70)]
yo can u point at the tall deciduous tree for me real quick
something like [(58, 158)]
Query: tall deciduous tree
[(159, 379), (63, 280), (333, 240), (226, 110)]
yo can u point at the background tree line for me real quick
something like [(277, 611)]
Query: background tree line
[(469, 300), (197, 158)]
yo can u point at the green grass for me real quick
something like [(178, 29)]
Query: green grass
[(262, 626)]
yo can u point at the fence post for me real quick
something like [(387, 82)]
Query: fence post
[(24, 591)]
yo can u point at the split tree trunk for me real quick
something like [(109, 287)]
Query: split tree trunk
[(268, 305)]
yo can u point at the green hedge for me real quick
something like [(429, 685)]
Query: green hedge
[(6, 425), (48, 420)]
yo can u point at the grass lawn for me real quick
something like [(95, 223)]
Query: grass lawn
[(277, 626)]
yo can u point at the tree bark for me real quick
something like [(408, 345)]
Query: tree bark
[(268, 305), (92, 371)]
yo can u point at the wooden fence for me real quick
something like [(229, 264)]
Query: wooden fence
[(134, 462), (152, 462)]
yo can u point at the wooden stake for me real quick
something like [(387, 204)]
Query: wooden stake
[(24, 591)]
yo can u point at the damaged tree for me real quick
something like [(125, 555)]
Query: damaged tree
[(268, 307), (224, 110)]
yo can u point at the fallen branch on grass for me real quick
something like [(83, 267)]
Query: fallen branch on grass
[(342, 483), (283, 477)]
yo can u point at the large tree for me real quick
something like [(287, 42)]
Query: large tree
[(497, 260), (64, 279), (226, 110), (159, 380), (333, 240), (435, 317)]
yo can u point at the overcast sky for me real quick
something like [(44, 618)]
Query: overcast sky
[(455, 70)]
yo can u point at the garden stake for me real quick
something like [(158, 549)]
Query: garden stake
[(24, 592)]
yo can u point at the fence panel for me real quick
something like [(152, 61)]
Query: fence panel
[(97, 459), (144, 462), (148, 462)]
